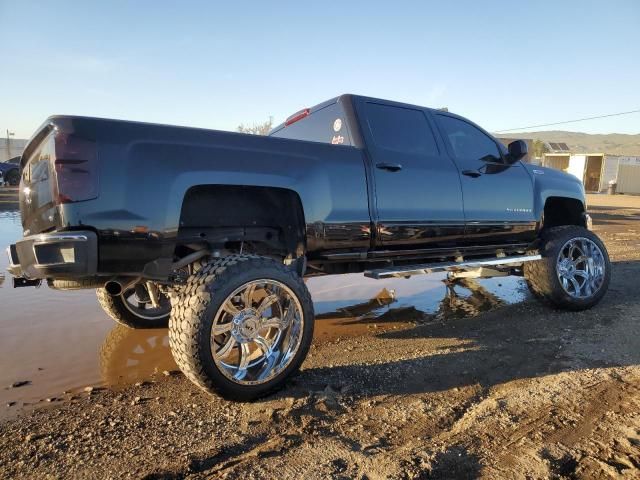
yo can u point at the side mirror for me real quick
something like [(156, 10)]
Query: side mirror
[(517, 151)]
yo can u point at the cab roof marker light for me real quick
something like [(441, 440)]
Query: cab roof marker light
[(296, 116)]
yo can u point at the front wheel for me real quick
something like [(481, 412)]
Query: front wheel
[(575, 270), (241, 326)]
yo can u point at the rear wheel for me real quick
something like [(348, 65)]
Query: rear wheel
[(574, 272), (241, 326), (134, 308)]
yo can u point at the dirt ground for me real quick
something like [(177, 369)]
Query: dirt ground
[(477, 389)]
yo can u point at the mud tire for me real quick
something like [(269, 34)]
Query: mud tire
[(541, 276), (194, 309)]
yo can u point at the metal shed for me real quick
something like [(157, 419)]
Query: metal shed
[(629, 175)]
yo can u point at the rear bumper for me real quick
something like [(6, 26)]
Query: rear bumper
[(56, 254)]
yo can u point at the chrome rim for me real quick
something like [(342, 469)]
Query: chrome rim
[(140, 305), (581, 267), (257, 331)]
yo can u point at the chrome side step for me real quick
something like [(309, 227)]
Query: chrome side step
[(410, 270)]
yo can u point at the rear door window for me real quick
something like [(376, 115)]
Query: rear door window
[(400, 129), (327, 125)]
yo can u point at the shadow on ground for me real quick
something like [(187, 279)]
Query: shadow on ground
[(517, 341)]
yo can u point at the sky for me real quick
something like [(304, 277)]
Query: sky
[(210, 64)]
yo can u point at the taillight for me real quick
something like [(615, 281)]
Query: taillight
[(76, 169), (296, 116)]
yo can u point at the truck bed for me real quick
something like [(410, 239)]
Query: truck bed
[(143, 172)]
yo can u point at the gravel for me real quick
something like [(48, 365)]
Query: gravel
[(517, 391)]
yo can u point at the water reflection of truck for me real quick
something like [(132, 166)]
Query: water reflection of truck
[(129, 356), (216, 230)]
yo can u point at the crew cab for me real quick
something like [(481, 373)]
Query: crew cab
[(213, 232)]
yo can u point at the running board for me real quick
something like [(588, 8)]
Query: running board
[(410, 270)]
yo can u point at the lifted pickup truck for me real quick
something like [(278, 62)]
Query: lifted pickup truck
[(213, 232)]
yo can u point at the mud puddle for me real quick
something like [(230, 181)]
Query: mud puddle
[(62, 341)]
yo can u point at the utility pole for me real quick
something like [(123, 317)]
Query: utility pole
[(9, 134)]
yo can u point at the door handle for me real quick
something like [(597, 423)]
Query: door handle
[(471, 173), (392, 167)]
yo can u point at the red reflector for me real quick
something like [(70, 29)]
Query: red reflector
[(296, 116)]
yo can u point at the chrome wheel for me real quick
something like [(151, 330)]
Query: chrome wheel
[(257, 331), (580, 267), (138, 302)]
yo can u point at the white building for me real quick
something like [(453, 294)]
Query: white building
[(596, 170)]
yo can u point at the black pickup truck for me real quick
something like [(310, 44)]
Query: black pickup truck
[(213, 232)]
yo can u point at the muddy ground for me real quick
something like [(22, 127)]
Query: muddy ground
[(477, 388)]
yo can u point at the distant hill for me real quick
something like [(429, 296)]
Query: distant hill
[(612, 143)]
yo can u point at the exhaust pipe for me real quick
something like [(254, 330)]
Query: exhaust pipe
[(113, 288), (117, 285)]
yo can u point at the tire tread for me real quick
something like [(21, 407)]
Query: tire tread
[(189, 305), (540, 275)]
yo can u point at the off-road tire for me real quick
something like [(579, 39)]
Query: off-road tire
[(194, 309), (541, 275), (115, 308)]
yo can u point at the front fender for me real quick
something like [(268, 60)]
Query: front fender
[(548, 183)]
